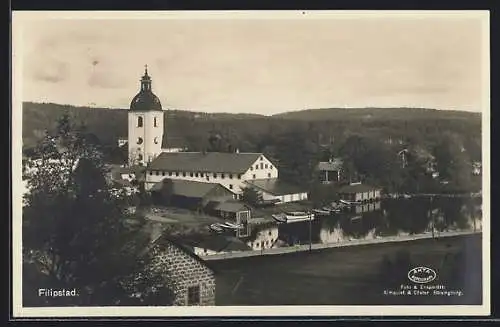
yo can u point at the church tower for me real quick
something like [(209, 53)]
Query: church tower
[(145, 124)]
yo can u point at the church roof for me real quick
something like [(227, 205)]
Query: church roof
[(213, 162), (145, 100)]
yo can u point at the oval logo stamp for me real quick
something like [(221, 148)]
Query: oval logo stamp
[(422, 275)]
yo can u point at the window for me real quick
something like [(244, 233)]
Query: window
[(251, 167), (222, 175), (177, 173), (215, 175), (139, 140), (194, 295), (151, 172), (169, 173), (269, 233), (157, 173), (191, 174), (231, 176), (230, 186), (261, 165), (163, 173), (155, 123), (197, 175), (265, 166), (268, 175), (156, 140), (208, 178), (184, 174), (261, 158), (256, 167), (139, 121), (270, 166), (139, 157), (253, 176)]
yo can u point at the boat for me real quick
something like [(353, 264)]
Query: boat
[(294, 216), (332, 209), (231, 225), (216, 228), (350, 203), (355, 218), (279, 217), (322, 211)]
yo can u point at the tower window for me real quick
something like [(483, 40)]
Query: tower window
[(139, 121), (155, 122), (139, 140)]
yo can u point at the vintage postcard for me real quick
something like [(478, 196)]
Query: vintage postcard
[(289, 163)]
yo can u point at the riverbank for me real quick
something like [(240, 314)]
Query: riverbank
[(316, 247)]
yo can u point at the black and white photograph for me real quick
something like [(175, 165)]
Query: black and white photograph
[(251, 163)]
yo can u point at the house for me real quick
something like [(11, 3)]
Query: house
[(273, 189), (231, 170), (193, 279), (359, 192), (189, 194), (329, 171)]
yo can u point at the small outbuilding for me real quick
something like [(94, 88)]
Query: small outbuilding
[(359, 192)]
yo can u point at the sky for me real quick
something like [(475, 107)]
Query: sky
[(262, 66)]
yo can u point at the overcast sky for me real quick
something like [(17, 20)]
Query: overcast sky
[(257, 65)]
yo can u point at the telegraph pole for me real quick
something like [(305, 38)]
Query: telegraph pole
[(310, 237)]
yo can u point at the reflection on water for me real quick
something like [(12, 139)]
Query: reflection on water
[(388, 218)]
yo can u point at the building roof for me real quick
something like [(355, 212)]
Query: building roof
[(231, 206), (275, 186), (163, 240), (185, 188), (216, 162), (145, 100), (357, 188), (333, 165)]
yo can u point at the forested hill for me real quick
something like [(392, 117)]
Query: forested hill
[(376, 114), (250, 132)]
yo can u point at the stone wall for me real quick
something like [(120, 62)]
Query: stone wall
[(186, 271)]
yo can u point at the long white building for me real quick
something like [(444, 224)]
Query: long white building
[(234, 171)]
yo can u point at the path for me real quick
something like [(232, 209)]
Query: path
[(305, 247)]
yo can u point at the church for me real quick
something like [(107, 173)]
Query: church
[(233, 171)]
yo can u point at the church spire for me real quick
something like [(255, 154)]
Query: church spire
[(146, 80)]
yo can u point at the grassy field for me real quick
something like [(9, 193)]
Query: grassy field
[(352, 276)]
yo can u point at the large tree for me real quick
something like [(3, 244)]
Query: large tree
[(76, 231)]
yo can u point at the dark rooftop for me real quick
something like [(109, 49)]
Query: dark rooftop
[(275, 186), (232, 206), (217, 162), (185, 188)]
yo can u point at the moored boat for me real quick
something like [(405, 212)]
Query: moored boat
[(294, 216), (279, 217), (322, 211), (216, 228), (351, 203)]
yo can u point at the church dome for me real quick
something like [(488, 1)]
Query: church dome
[(145, 100)]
